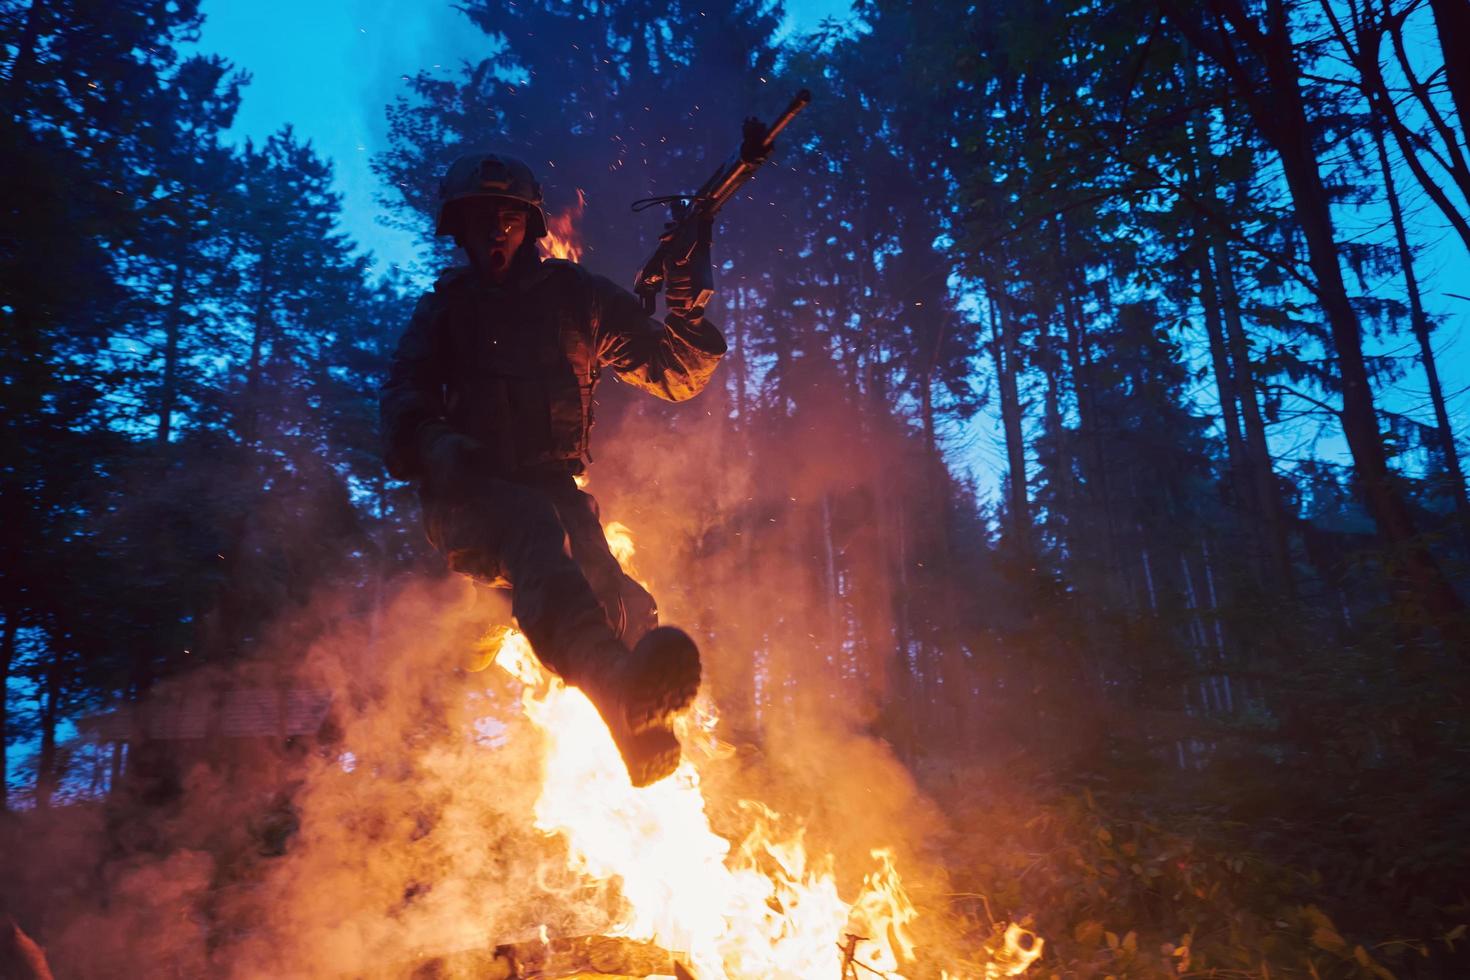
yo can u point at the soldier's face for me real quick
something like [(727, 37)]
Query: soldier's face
[(492, 233)]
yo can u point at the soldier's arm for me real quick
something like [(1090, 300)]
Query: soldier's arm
[(673, 360), (413, 396)]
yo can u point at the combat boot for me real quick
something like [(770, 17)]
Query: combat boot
[(639, 692)]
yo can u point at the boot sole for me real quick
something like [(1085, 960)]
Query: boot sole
[(648, 756), (667, 680)]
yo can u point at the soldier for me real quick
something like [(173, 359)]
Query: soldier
[(488, 406)]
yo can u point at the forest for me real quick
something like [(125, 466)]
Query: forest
[(1079, 512)]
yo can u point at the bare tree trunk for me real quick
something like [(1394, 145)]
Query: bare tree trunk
[(1051, 412), (25, 51), (1420, 324), (50, 716), (168, 390), (254, 367), (1003, 352), (1225, 378), (1225, 386), (908, 668), (741, 360), (1258, 451), (1099, 484), (1252, 472)]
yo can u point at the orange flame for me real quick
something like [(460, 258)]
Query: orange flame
[(562, 240), (762, 908), (620, 543)]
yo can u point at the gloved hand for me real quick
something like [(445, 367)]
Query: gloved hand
[(689, 281), (452, 460)]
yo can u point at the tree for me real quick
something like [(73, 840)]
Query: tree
[(1261, 63)]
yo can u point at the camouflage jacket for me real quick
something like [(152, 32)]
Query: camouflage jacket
[(515, 366)]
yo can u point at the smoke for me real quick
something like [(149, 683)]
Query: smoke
[(773, 543), (405, 833)]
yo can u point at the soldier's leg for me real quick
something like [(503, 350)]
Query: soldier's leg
[(513, 531), (629, 607), (667, 657)]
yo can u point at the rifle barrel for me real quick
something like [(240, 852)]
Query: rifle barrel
[(745, 169), (797, 104)]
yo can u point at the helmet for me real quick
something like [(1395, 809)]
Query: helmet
[(490, 175)]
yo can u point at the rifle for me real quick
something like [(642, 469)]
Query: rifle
[(693, 214)]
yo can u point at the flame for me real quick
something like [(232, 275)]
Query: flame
[(764, 908), (562, 240), (620, 543), (883, 911), (1018, 949)]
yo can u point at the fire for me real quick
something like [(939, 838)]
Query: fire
[(562, 240), (620, 543), (765, 907)]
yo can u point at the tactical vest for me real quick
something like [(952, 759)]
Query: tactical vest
[(521, 367)]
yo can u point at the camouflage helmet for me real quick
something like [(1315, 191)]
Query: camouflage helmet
[(490, 175)]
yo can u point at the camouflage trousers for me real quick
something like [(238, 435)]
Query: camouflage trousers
[(544, 540)]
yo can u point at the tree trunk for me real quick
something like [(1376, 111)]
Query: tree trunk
[(25, 51), (1273, 530), (1225, 381), (1003, 351), (50, 716), (1098, 481), (1420, 323), (7, 659), (1452, 21), (741, 361), (260, 324), (1253, 475), (168, 391), (1225, 385), (926, 414), (1453, 159)]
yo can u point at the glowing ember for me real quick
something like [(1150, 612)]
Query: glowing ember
[(562, 240), (1018, 949)]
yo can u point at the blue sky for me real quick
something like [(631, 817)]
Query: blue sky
[(328, 67)]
